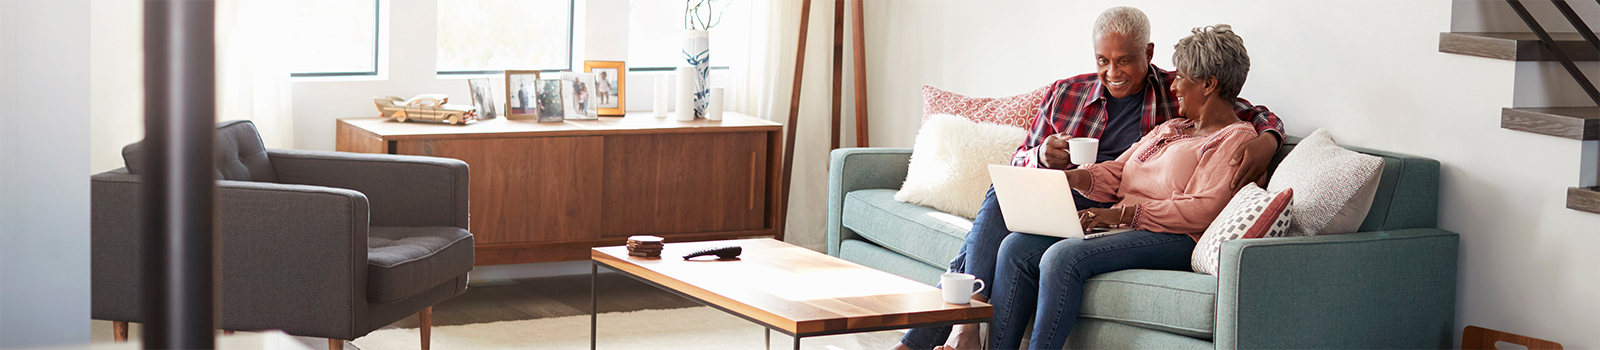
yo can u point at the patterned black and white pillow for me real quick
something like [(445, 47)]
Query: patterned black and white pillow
[(1252, 213)]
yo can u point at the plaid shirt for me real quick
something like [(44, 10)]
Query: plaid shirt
[(1076, 107)]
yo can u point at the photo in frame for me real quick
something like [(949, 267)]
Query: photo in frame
[(483, 98), (577, 96), (522, 100), (549, 92), (610, 86)]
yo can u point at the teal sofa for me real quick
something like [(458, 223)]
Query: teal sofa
[(1392, 285)]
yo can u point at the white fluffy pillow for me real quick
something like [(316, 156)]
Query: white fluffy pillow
[(949, 168), (1333, 186)]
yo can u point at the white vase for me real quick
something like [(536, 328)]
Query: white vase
[(697, 54), (660, 104), (685, 110)]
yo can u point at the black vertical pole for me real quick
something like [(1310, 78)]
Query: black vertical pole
[(180, 109)]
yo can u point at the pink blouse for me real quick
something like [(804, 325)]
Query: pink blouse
[(1176, 183)]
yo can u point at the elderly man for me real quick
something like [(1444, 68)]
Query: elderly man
[(1127, 98)]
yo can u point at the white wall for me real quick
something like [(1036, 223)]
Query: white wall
[(1367, 70), (44, 167)]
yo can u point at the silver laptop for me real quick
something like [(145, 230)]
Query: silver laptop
[(1038, 201)]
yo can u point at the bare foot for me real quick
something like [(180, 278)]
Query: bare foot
[(963, 337)]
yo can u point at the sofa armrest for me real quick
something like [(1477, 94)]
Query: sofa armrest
[(1374, 290), (292, 257), (851, 169), (403, 190)]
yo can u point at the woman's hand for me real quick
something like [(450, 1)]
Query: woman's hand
[(1097, 217)]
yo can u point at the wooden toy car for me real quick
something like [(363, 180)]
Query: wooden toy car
[(426, 107)]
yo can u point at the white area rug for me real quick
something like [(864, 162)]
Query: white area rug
[(689, 328)]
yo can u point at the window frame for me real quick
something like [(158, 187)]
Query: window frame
[(377, 49), (572, 9)]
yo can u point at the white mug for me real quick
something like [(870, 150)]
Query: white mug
[(958, 287), (1083, 149)]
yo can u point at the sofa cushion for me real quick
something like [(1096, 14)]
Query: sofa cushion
[(919, 232), (873, 256), (949, 167), (1017, 111), (1334, 187), (404, 261), (1252, 213), (1180, 302)]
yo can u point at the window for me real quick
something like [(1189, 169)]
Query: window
[(489, 36), (655, 34), (333, 38)]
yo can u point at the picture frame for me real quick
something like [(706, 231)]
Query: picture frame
[(549, 93), (522, 102), (483, 98), (611, 82), (577, 96)]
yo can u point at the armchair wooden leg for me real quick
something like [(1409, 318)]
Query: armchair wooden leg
[(119, 331), (335, 344), (425, 318), (227, 332)]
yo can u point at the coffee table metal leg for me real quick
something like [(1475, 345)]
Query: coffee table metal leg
[(594, 309), (769, 338), (796, 342)]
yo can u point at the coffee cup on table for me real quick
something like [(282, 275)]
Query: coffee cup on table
[(957, 287), (1083, 149)]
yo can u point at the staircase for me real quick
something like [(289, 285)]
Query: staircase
[(1492, 36)]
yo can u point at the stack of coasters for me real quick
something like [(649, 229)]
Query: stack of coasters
[(644, 246)]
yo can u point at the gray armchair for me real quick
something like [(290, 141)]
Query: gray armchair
[(322, 244)]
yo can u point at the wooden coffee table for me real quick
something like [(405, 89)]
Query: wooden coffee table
[(791, 289)]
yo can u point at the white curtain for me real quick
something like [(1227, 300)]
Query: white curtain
[(252, 80), (116, 86), (763, 86)]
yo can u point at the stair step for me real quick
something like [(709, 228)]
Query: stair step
[(1584, 198), (1516, 46), (1577, 123)]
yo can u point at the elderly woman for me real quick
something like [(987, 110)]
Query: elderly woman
[(1168, 187)]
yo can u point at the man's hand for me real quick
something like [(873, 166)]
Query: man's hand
[(1253, 158), (1054, 155)]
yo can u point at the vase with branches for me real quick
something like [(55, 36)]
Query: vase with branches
[(702, 14), (699, 16)]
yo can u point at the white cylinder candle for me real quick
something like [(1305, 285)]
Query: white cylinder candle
[(685, 93), (714, 111), (663, 92)]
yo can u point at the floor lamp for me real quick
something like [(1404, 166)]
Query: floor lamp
[(860, 63)]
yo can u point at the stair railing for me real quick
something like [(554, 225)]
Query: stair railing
[(1550, 43)]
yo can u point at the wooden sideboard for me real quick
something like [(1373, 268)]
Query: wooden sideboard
[(545, 192)]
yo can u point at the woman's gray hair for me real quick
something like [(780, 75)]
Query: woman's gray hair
[(1128, 21), (1214, 52)]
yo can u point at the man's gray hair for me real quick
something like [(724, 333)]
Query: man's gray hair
[(1214, 52), (1128, 21)]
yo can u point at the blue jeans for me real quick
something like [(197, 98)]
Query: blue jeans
[(978, 256), (1042, 277)]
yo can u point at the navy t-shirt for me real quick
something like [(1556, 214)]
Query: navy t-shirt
[(1122, 125)]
